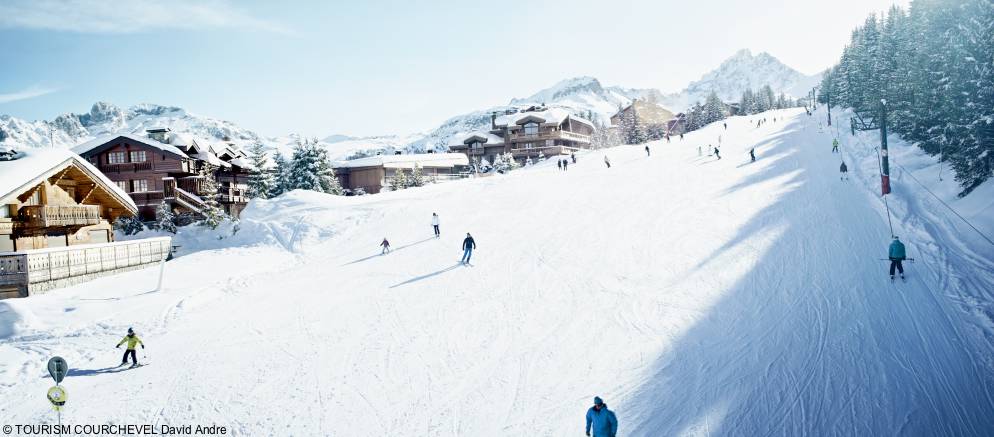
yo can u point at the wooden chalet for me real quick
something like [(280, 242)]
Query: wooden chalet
[(654, 118), (54, 207), (372, 174), (528, 134), (167, 167)]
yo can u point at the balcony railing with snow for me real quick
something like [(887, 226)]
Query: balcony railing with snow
[(43, 216), (31, 272)]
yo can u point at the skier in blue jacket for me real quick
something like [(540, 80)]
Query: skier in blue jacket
[(896, 254), (601, 420)]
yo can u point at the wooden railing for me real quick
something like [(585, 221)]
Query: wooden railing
[(189, 200), (148, 197), (42, 216), (194, 184), (551, 135), (126, 167), (44, 269)]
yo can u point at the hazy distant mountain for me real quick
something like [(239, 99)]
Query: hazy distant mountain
[(740, 72)]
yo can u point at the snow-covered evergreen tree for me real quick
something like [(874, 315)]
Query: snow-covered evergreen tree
[(281, 175), (310, 169), (128, 225), (400, 180), (212, 215), (417, 178), (165, 219), (261, 182)]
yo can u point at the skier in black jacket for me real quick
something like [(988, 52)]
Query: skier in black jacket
[(468, 244)]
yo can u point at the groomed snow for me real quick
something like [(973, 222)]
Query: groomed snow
[(695, 296)]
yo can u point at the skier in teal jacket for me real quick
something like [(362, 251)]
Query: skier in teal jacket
[(896, 254), (601, 421)]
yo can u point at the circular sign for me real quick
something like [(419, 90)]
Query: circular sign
[(57, 396), (57, 367)]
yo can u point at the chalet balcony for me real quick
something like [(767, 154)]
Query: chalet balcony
[(520, 137), (148, 197), (525, 152), (127, 167), (43, 216)]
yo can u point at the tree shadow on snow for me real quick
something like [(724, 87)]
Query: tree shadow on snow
[(429, 275), (795, 347)]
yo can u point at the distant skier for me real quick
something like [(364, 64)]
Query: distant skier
[(132, 341), (565, 164), (647, 150), (717, 153), (601, 421), (896, 255), (681, 137), (468, 244), (844, 171), (434, 224), (667, 138), (607, 161), (559, 163), (726, 125), (752, 154), (386, 246), (835, 145), (573, 157), (698, 150)]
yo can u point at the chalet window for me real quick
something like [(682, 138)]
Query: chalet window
[(115, 158), (123, 185), (531, 128), (528, 145), (139, 185), (476, 145), (137, 156), (4, 211)]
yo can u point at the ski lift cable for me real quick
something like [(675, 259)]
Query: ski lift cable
[(989, 240), (942, 202)]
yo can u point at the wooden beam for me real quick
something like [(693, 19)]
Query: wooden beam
[(62, 174)]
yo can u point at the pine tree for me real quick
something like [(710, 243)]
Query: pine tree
[(417, 178), (211, 213), (128, 225), (400, 180), (310, 169), (261, 182), (281, 175), (165, 219)]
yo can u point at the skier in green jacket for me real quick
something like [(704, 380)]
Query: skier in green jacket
[(896, 255), (132, 341), (835, 145)]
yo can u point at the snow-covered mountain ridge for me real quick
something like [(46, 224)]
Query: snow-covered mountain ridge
[(582, 96)]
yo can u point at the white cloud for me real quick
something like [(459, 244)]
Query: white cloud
[(128, 16), (27, 93)]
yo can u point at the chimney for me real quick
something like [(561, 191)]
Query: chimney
[(493, 120)]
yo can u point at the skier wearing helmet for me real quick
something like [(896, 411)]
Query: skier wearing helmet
[(132, 341)]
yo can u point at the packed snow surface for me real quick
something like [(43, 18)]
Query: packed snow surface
[(696, 296)]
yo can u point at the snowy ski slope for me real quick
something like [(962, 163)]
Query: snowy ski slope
[(696, 296)]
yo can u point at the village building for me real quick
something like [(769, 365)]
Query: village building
[(528, 134), (56, 215), (650, 120), (373, 174), (168, 167)]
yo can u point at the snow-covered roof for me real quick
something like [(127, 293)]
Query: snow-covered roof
[(36, 165), (552, 115), (407, 161), (484, 137), (105, 140)]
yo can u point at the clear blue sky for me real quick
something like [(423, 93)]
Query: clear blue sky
[(376, 67)]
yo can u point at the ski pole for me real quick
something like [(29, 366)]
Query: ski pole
[(906, 259)]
